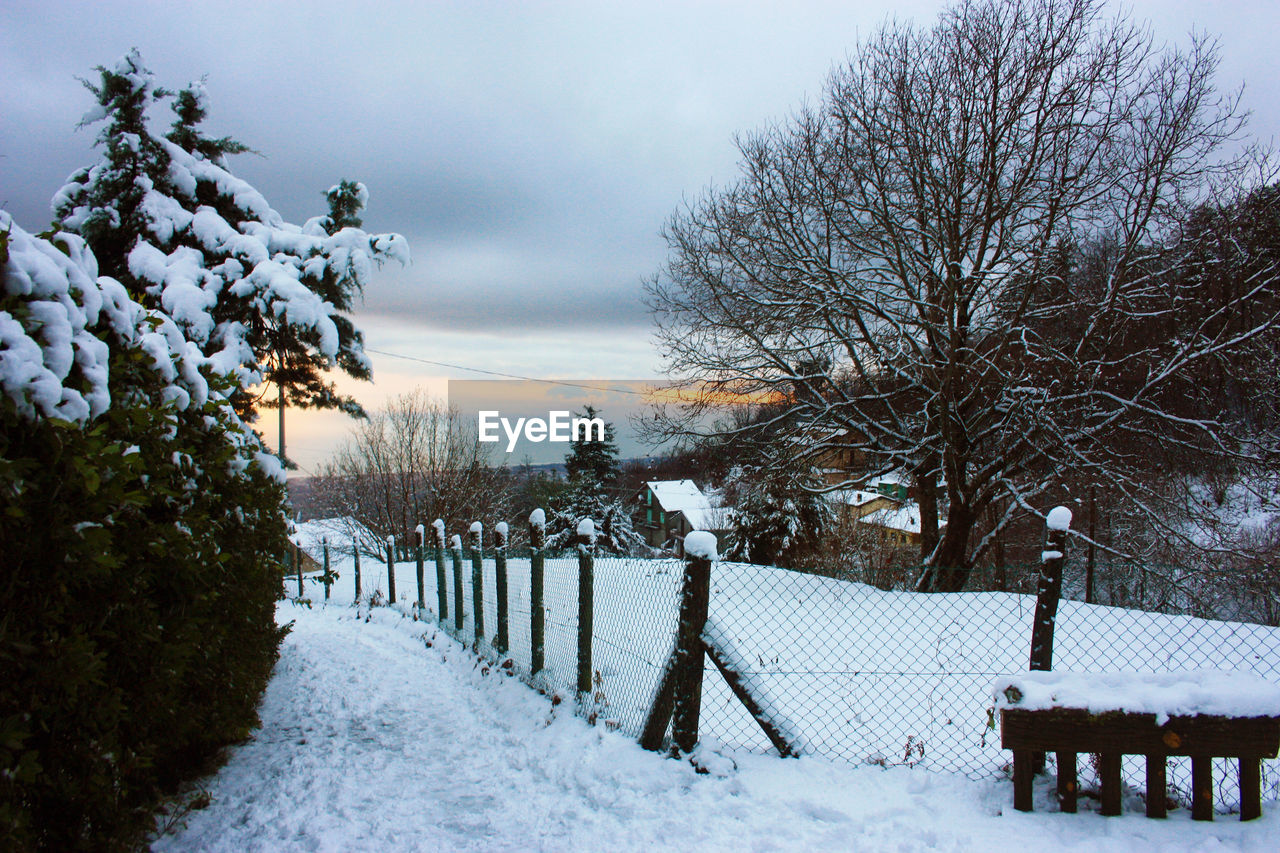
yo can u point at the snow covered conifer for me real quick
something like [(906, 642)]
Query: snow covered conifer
[(263, 298)]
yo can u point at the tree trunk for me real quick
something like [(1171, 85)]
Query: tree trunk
[(949, 569)]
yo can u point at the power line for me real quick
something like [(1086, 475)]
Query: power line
[(505, 375)]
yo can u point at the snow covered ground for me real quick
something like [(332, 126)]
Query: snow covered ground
[(384, 734), (860, 674)]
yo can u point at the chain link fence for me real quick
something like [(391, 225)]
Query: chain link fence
[(859, 674)]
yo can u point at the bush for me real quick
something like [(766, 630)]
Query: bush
[(137, 622)]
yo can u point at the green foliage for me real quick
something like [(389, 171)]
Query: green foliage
[(780, 518), (593, 470), (137, 625), (591, 461), (138, 615)]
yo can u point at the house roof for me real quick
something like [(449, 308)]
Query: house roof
[(905, 517), (684, 496), (854, 497)]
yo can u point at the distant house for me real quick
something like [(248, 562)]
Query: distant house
[(673, 508), (897, 526), (885, 505)]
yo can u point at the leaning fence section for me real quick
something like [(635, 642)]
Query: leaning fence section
[(859, 674)]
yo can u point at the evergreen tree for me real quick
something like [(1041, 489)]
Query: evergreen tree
[(264, 298), (593, 469), (593, 461), (779, 518)]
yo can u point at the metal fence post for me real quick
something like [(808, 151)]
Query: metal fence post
[(537, 616), (500, 641), (297, 567), (442, 589), (459, 609), (355, 553), (391, 569), (586, 608), (328, 578), (477, 580), (421, 533)]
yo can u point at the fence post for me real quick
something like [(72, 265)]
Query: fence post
[(500, 641), (355, 553), (1048, 592), (442, 589), (586, 602), (459, 610), (391, 569), (1049, 588), (537, 625), (297, 567), (421, 542), (328, 578), (695, 594), (477, 580)]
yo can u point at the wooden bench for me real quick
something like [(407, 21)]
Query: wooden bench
[(1070, 731)]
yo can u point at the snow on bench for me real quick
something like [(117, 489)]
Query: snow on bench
[(1203, 714)]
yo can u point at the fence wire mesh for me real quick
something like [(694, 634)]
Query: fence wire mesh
[(852, 672)]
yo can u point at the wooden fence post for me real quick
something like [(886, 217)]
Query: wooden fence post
[(477, 580), (297, 567), (391, 569), (537, 616), (586, 603), (1049, 589), (459, 609), (442, 589), (1048, 593), (695, 595), (328, 578), (500, 641), (355, 553), (421, 533)]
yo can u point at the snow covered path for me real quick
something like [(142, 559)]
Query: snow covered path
[(382, 735)]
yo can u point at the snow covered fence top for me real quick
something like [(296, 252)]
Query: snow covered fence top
[(700, 543), (1059, 518), (1180, 693)]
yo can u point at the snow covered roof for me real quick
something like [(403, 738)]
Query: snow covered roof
[(854, 497), (905, 517), (684, 497)]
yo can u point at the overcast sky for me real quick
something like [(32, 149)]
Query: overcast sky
[(529, 152)]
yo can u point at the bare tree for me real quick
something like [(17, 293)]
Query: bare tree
[(891, 262), (409, 464)]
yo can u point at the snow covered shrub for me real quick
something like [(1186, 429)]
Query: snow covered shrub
[(139, 518)]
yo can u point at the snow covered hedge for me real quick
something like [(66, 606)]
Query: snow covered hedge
[(137, 609)]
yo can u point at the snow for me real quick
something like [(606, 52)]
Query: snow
[(684, 497), (1046, 556), (538, 518), (904, 517), (700, 543), (476, 527), (455, 542), (381, 733), (501, 529), (587, 529), (1165, 694), (1059, 518)]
